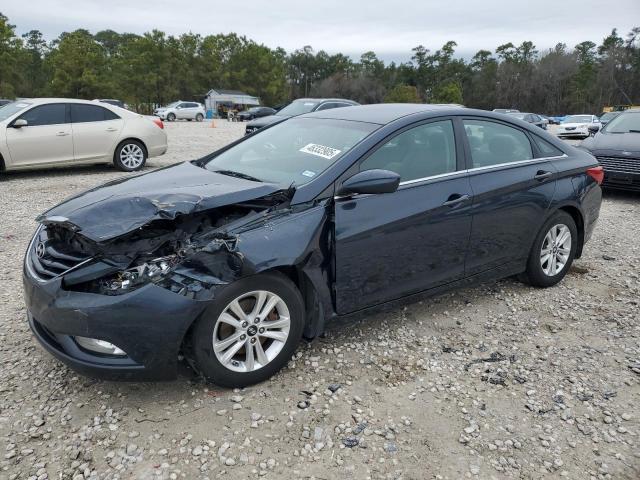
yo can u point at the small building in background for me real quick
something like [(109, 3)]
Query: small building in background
[(218, 102)]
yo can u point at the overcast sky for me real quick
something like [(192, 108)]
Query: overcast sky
[(390, 28)]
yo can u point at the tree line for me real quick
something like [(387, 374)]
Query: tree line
[(155, 68)]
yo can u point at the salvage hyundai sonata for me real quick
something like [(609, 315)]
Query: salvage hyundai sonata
[(232, 258)]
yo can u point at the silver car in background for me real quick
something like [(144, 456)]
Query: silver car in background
[(181, 110)]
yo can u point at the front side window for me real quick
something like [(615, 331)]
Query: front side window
[(52, 114), (421, 152), (495, 144), (293, 152), (81, 113)]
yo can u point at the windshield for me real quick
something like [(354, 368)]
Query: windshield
[(624, 123), (578, 119), (12, 108), (517, 115), (292, 152), (297, 108), (253, 109), (171, 105)]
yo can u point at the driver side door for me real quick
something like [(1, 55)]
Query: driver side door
[(47, 137), (391, 245)]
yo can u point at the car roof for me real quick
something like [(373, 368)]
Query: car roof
[(38, 101), (319, 100), (381, 113)]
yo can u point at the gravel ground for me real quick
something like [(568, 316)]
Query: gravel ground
[(499, 381)]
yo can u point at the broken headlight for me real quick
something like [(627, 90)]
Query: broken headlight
[(153, 270)]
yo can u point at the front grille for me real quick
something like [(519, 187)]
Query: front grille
[(620, 164), (53, 253)]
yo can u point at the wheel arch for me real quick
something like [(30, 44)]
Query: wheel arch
[(144, 145), (578, 218), (314, 311), (3, 166)]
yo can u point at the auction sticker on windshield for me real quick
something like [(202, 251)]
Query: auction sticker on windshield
[(320, 151)]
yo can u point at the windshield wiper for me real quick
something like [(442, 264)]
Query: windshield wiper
[(231, 173), (634, 131)]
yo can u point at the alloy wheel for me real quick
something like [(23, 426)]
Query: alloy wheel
[(251, 331), (131, 156), (556, 249)]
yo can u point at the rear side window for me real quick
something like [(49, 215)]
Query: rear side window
[(494, 143), (53, 114), (81, 113), (546, 149)]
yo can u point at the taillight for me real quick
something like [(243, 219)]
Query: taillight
[(158, 122), (597, 173)]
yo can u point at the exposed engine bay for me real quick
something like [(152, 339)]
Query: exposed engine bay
[(168, 252)]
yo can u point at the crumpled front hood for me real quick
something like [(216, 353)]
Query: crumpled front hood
[(120, 206)]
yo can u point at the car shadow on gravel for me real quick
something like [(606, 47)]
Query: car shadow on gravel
[(609, 194), (19, 175)]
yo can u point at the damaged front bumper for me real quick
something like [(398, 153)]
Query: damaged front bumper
[(148, 324)]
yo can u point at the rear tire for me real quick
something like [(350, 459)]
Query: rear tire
[(552, 252), (199, 117), (130, 155), (248, 351)]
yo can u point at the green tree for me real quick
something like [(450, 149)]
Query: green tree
[(78, 65), (403, 94), (10, 52)]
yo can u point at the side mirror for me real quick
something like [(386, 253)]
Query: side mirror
[(593, 129), (372, 182), (21, 122)]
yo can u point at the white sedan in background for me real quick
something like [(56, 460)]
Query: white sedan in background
[(577, 126), (44, 132)]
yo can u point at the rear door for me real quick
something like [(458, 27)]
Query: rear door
[(512, 189), (96, 131), (45, 139), (394, 244)]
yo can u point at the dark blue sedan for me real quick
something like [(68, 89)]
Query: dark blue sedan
[(232, 258)]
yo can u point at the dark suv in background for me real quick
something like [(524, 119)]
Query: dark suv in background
[(256, 112), (298, 107)]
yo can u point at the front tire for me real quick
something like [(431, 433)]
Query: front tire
[(552, 252), (130, 155), (171, 117), (250, 332)]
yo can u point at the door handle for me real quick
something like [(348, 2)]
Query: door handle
[(111, 129), (542, 175), (62, 134), (455, 199)]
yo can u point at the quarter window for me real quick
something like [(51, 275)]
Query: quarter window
[(494, 143), (420, 152), (52, 114), (81, 113), (546, 149)]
